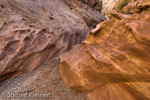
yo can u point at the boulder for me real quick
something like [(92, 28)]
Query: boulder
[(113, 61)]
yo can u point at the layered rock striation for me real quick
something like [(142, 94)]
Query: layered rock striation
[(113, 61), (34, 31)]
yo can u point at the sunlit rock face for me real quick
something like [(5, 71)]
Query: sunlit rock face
[(113, 63), (34, 31)]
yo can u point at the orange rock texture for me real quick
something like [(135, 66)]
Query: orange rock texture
[(113, 63), (34, 31)]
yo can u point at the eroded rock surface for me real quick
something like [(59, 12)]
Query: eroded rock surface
[(113, 62), (44, 80), (34, 31)]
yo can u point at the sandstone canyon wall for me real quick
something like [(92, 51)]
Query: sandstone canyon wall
[(34, 31), (113, 63)]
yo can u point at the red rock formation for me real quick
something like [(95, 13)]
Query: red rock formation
[(113, 62), (34, 31)]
